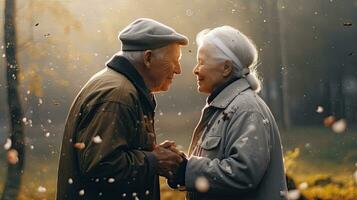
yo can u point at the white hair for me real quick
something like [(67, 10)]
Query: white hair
[(136, 57), (231, 44)]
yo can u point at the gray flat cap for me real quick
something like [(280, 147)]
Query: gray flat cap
[(144, 34)]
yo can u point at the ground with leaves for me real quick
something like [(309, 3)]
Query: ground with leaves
[(320, 161)]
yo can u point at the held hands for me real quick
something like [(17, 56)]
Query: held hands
[(168, 144), (169, 159), (177, 181)]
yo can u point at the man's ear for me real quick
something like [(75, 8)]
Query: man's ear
[(147, 58), (228, 68)]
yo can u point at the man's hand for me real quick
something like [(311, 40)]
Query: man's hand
[(168, 161), (168, 144)]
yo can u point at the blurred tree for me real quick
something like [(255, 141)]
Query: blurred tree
[(284, 62), (38, 49), (271, 58), (275, 89), (16, 153)]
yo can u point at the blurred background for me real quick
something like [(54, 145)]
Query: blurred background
[(308, 64)]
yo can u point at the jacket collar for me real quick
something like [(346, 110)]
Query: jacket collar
[(229, 93), (123, 66)]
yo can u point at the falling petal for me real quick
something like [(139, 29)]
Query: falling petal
[(81, 192), (328, 121), (294, 194), (339, 126), (202, 184), (79, 145), (319, 109), (303, 186), (147, 192), (307, 145), (284, 194), (265, 121), (111, 180), (229, 169), (242, 142), (70, 181), (97, 139), (55, 103), (8, 144), (251, 127), (12, 156), (41, 189), (189, 12), (48, 134)]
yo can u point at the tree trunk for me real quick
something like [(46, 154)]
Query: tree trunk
[(15, 168), (284, 71), (272, 76)]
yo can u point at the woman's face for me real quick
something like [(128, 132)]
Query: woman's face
[(209, 71)]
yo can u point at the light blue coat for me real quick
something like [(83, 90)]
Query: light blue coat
[(236, 147)]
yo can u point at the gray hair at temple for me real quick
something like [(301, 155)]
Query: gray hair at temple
[(231, 44)]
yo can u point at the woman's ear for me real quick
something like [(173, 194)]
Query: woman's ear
[(228, 68), (147, 58)]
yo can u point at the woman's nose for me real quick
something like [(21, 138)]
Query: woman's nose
[(195, 70)]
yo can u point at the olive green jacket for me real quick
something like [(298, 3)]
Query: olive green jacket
[(108, 139)]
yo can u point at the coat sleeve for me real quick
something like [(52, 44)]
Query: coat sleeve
[(107, 161), (247, 154)]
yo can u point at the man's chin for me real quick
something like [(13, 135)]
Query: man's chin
[(161, 89)]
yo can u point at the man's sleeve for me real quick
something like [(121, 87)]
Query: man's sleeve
[(247, 155), (107, 161)]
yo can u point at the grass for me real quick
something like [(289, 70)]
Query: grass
[(320, 156)]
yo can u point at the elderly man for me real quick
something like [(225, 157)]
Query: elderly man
[(109, 146)]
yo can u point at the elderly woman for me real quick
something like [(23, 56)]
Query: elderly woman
[(235, 152)]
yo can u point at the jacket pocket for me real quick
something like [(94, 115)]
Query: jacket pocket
[(210, 142)]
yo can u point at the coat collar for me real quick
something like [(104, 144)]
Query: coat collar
[(123, 66), (229, 93)]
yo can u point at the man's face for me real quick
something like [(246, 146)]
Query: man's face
[(165, 64)]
